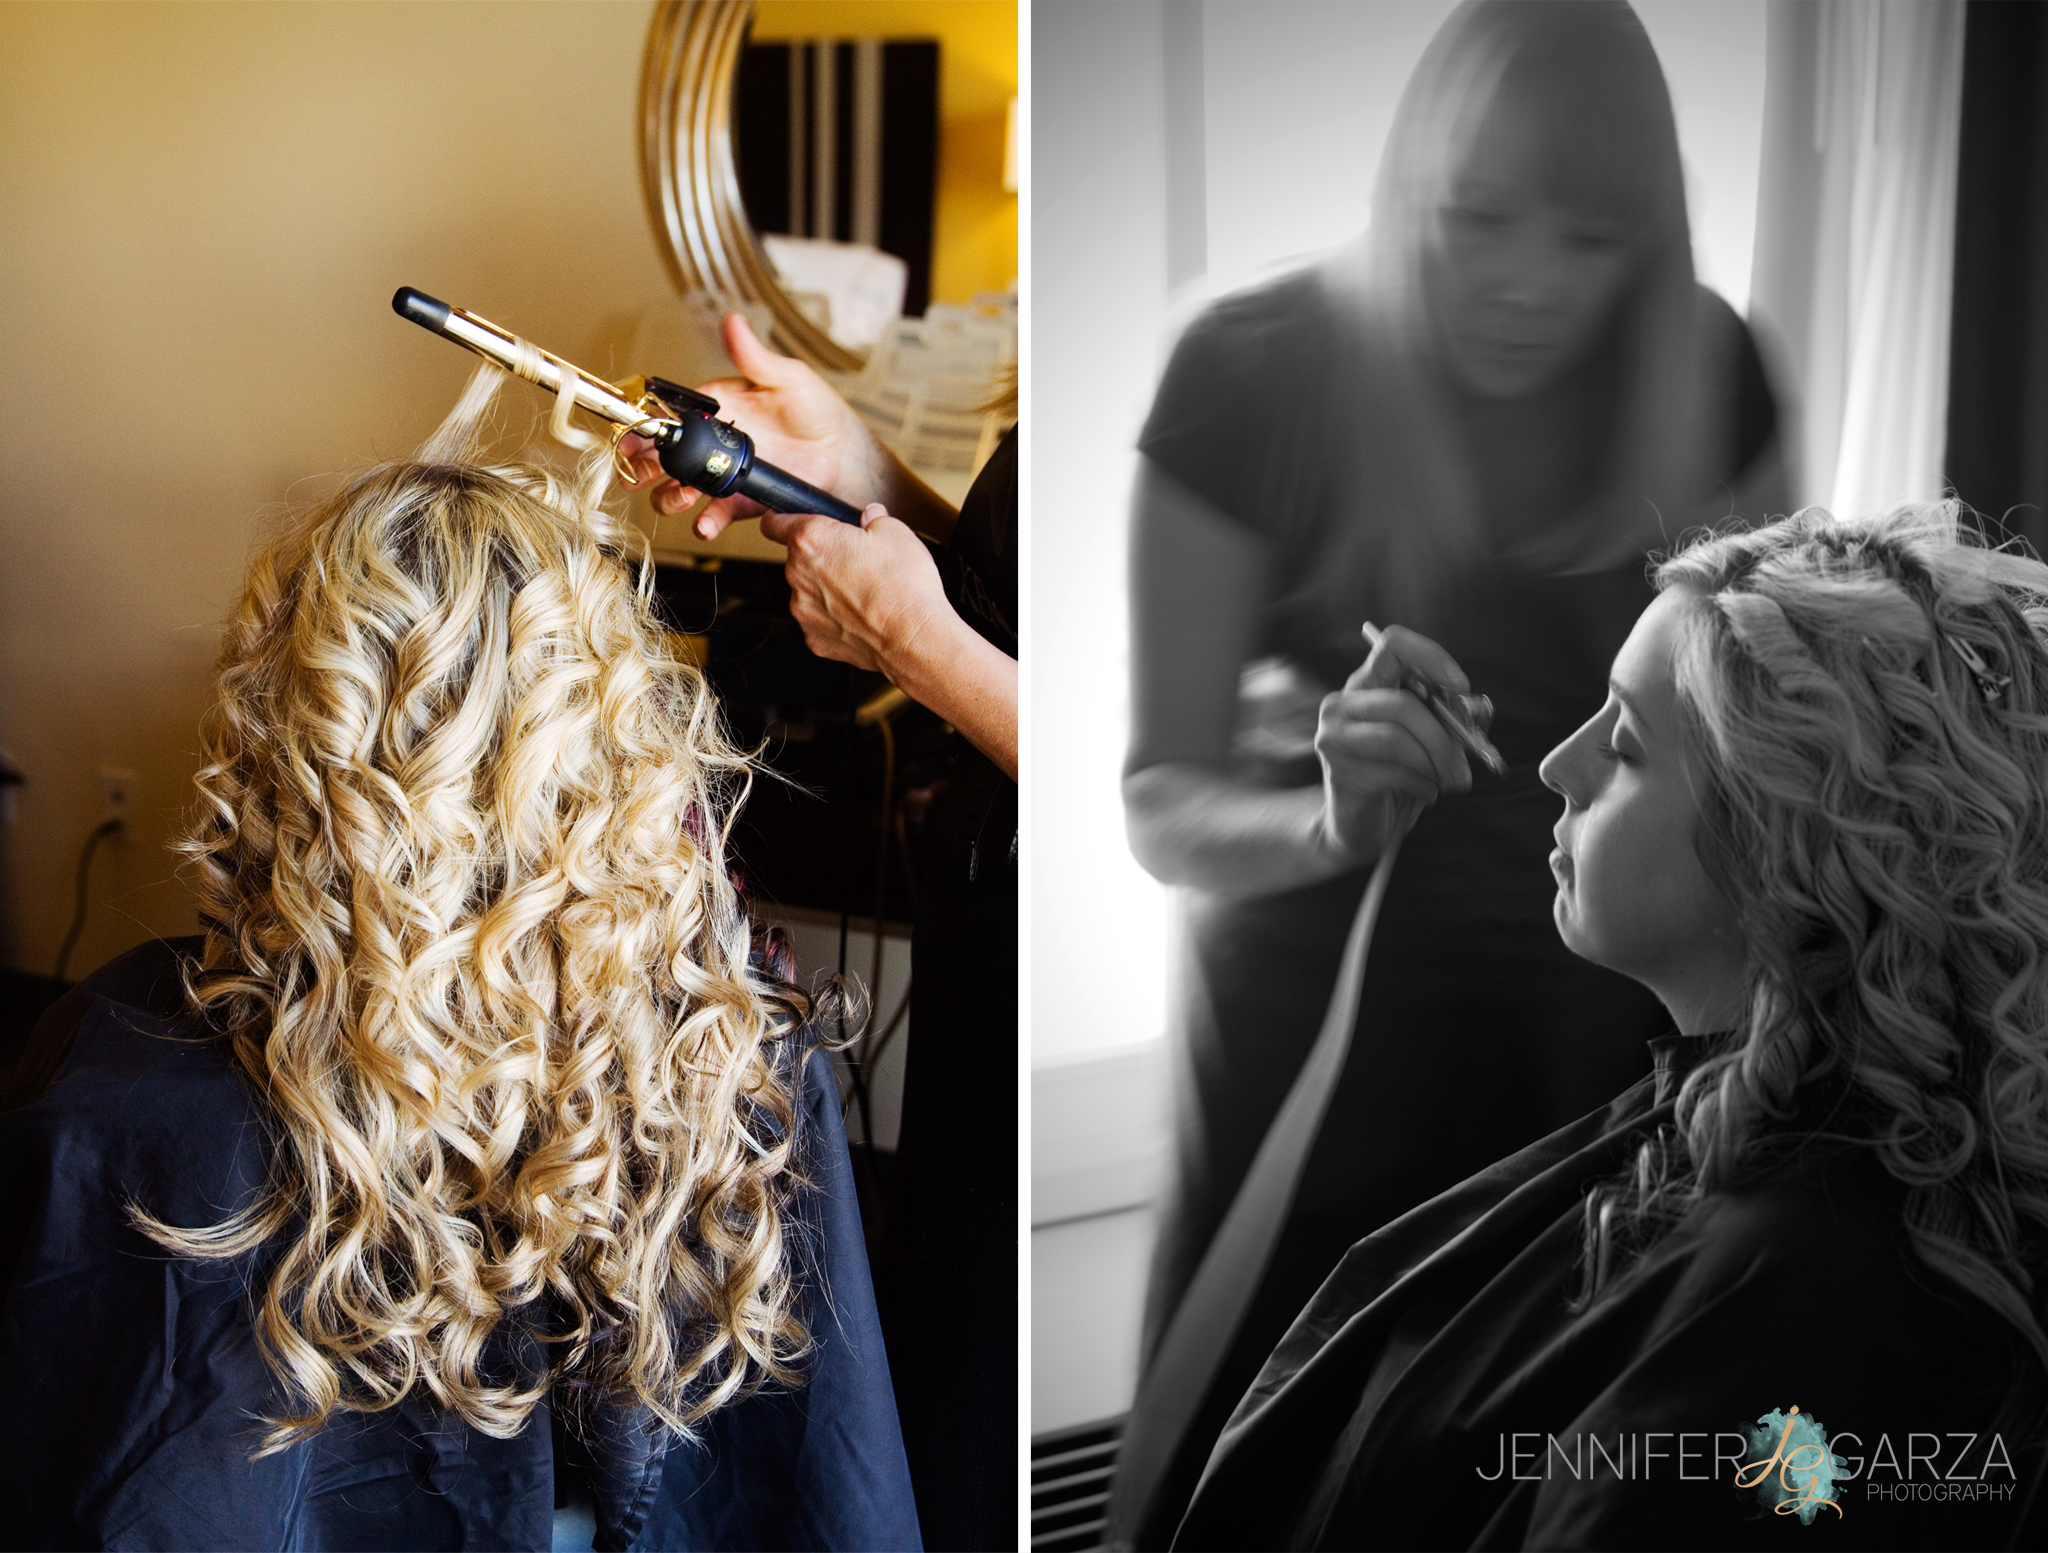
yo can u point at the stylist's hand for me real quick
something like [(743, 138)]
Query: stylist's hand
[(797, 421), (1383, 752), (866, 596)]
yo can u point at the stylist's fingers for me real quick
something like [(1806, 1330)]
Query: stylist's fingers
[(1359, 780), (1365, 755), (756, 361), (672, 500), (1349, 715), (1370, 784), (665, 495), (643, 457), (802, 533), (1400, 651), (672, 497)]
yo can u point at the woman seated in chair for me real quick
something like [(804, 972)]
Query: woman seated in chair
[(477, 1108), (1797, 1273)]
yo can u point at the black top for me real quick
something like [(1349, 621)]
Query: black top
[(1251, 414), (979, 563), (1415, 1402), (132, 1378), (954, 1224)]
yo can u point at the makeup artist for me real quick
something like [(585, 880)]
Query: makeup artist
[(1475, 421), (945, 632)]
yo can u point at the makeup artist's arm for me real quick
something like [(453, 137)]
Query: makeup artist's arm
[(799, 423), (871, 596), (1198, 584)]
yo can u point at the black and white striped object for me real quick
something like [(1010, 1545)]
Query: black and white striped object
[(840, 139), (1070, 1474)]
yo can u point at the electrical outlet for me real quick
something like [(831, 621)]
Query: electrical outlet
[(117, 796)]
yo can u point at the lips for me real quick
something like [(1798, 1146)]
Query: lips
[(1561, 867)]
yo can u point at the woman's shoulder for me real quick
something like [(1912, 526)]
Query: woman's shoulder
[(1824, 1215), (1264, 324), (1804, 1269), (1248, 374), (1798, 1291), (121, 1083), (128, 1016)]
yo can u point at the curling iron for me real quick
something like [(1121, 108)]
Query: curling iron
[(695, 447)]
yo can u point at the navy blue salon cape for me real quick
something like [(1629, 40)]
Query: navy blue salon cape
[(131, 1383)]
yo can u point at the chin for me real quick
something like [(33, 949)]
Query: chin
[(1572, 933), (1567, 928)]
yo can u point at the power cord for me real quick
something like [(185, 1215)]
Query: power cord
[(865, 1052), (92, 845), (875, 713)]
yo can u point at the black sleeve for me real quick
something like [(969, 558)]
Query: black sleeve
[(1226, 393), (979, 564)]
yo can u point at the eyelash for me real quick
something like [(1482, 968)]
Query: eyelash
[(1609, 752)]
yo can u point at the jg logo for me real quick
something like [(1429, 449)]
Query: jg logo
[(1806, 1469)]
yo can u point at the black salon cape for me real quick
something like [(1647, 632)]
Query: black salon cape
[(130, 1381), (1380, 1418)]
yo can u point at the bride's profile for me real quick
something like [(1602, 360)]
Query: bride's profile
[(1812, 817)]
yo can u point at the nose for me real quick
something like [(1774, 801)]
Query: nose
[(1532, 274), (1558, 771)]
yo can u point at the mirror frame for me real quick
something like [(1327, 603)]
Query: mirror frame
[(689, 178)]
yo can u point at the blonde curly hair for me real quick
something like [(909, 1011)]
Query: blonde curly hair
[(1864, 711), (470, 934)]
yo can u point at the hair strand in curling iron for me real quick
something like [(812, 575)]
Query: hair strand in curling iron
[(708, 455)]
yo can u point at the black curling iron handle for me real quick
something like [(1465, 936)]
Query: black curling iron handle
[(784, 492), (717, 458)]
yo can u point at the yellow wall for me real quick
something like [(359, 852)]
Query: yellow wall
[(206, 210), (975, 236)]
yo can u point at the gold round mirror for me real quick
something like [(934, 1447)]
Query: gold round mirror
[(689, 177)]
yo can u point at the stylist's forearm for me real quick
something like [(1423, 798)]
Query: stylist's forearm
[(876, 474), (1191, 825), (952, 670)]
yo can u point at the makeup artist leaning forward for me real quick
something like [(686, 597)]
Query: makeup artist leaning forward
[(1475, 421), (945, 633)]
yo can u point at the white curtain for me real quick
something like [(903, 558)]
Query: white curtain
[(1856, 239)]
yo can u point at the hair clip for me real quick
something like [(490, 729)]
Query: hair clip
[(1991, 686)]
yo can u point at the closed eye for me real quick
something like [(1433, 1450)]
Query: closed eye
[(1479, 218)]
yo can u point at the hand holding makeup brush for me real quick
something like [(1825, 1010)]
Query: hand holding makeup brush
[(1386, 741)]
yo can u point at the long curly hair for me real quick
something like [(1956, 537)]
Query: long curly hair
[(471, 936), (1579, 83), (1863, 708)]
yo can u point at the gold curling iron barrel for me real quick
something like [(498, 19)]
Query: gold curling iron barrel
[(695, 447)]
